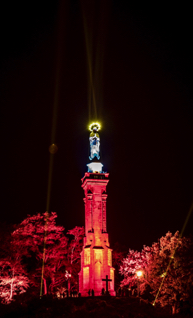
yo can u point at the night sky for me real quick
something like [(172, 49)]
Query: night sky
[(142, 62)]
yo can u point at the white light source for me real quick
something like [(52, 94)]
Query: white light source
[(139, 273), (95, 167)]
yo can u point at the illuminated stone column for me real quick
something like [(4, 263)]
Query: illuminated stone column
[(96, 256)]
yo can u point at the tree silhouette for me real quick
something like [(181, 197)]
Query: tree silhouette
[(74, 249), (176, 279), (13, 275), (29, 239)]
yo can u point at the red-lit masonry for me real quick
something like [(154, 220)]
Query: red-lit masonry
[(96, 256)]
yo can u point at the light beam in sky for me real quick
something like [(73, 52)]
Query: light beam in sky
[(53, 147), (95, 30), (172, 257)]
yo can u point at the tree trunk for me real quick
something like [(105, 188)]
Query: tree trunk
[(173, 309), (53, 282), (45, 287), (69, 286), (11, 291)]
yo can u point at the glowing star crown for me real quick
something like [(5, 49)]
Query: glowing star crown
[(94, 126)]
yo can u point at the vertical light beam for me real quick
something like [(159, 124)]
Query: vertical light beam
[(53, 148), (172, 257), (91, 90)]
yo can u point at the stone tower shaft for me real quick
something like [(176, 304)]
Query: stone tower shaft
[(96, 256), (94, 186)]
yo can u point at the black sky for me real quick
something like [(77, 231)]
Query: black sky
[(144, 103)]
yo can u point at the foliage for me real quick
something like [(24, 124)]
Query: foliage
[(13, 279), (75, 245), (13, 275), (31, 236), (177, 278), (134, 262), (73, 256), (22, 252)]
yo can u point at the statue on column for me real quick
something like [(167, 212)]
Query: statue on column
[(94, 141)]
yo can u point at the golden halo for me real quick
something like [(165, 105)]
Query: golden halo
[(95, 125)]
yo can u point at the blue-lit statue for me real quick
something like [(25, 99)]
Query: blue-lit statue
[(94, 141)]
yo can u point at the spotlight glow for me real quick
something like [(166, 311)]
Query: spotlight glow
[(139, 273), (96, 126)]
